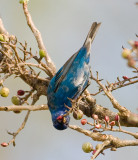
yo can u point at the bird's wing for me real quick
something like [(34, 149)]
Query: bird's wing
[(60, 75)]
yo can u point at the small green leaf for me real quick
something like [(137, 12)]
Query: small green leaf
[(1, 38), (23, 1)]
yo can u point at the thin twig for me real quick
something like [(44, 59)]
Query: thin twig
[(97, 136), (34, 65), (109, 95), (135, 135), (37, 34), (118, 85), (12, 141), (18, 131), (2, 28), (15, 51), (25, 107), (100, 149)]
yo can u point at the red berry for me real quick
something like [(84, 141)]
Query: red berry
[(125, 77), (20, 92), (94, 116), (4, 144), (83, 121), (117, 117), (112, 123), (136, 43), (94, 151), (98, 126), (106, 118)]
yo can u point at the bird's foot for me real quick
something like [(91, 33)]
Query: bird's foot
[(69, 109), (75, 102), (74, 105), (77, 113), (78, 100)]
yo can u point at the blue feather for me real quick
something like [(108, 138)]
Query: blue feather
[(70, 82)]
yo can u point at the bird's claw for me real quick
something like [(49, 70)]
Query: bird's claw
[(75, 102), (74, 105), (69, 110)]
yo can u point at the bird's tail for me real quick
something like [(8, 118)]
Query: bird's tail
[(91, 35)]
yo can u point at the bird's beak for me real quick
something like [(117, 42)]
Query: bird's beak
[(61, 119), (64, 120)]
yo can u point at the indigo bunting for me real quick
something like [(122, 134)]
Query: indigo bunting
[(70, 82)]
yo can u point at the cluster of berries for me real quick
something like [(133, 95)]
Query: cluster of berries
[(87, 147), (127, 53), (16, 100)]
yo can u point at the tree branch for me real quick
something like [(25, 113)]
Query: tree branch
[(131, 119), (109, 141), (2, 28), (37, 34), (21, 108), (12, 141)]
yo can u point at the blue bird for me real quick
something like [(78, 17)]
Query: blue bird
[(70, 82)]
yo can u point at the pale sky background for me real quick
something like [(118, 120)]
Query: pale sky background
[(64, 25)]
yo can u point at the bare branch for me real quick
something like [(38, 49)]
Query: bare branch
[(119, 84), (111, 140), (90, 107), (109, 95), (26, 107), (37, 34), (123, 84), (12, 141), (135, 135), (2, 28), (34, 65), (100, 149), (124, 113)]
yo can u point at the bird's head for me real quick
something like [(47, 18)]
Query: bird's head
[(60, 121)]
